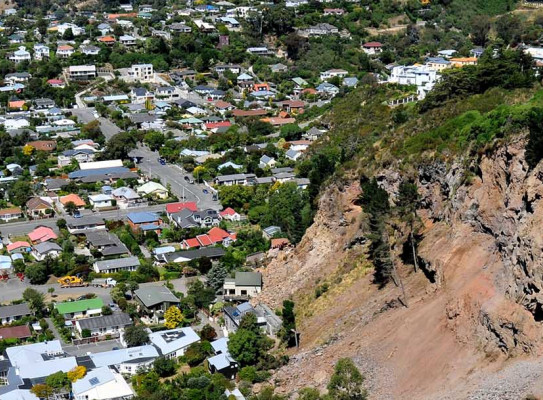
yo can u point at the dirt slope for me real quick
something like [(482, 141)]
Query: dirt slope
[(472, 331)]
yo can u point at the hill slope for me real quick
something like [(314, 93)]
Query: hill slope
[(473, 325)]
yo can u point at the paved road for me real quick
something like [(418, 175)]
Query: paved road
[(168, 174), (174, 176), (24, 227)]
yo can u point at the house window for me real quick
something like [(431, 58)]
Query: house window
[(244, 292)]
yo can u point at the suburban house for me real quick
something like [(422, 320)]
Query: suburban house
[(127, 197), (9, 214), (65, 51), (42, 234), (113, 324), (101, 200), (72, 198), (142, 72), (230, 214), (19, 247), (12, 313), (79, 155), (222, 362), (82, 72), (153, 189), (101, 384), (144, 221), (85, 224), (243, 286), (266, 319), (80, 309), (372, 48), (214, 236), (185, 256), (106, 243), (116, 265), (15, 332), (332, 73), (154, 299), (173, 343), (46, 249), (235, 179), (127, 361), (173, 208), (38, 208)]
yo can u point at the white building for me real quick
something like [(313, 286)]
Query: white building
[(173, 343), (82, 72), (332, 73), (142, 72), (127, 361), (41, 51), (101, 201), (101, 384), (113, 324), (20, 55), (244, 285), (76, 30), (423, 77)]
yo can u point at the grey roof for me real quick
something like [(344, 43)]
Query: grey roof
[(117, 263), (105, 321), (234, 177), (141, 118), (248, 279), (153, 295), (101, 238), (15, 310), (282, 169), (53, 184), (84, 221), (97, 171), (46, 247), (209, 252)]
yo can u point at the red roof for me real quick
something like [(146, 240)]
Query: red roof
[(176, 207), (372, 44), (215, 125), (42, 234), (190, 243), (222, 104), (55, 81), (279, 243), (17, 245), (204, 240), (217, 234), (74, 198), (228, 211), (15, 332)]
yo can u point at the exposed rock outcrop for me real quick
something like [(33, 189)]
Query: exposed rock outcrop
[(477, 307)]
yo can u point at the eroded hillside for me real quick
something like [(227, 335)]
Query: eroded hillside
[(473, 325)]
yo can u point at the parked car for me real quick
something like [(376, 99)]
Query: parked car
[(162, 161)]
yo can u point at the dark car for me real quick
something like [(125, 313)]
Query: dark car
[(205, 191), (162, 161)]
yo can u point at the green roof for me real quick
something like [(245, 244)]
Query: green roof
[(70, 307)]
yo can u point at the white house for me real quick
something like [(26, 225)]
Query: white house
[(101, 200), (65, 51), (332, 73), (116, 265), (153, 189), (46, 249), (41, 51), (244, 285), (127, 361), (82, 72), (20, 55), (126, 197), (101, 384), (173, 343), (127, 40), (142, 72), (113, 324), (423, 77)]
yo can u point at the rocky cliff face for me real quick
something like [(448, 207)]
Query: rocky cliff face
[(475, 310)]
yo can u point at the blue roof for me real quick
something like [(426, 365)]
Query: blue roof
[(150, 227), (142, 217), (97, 171)]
